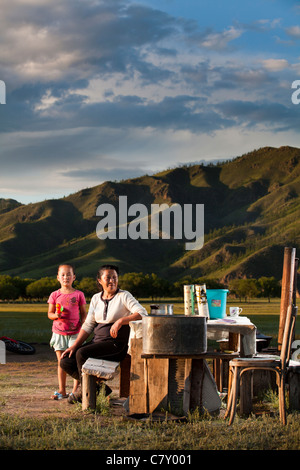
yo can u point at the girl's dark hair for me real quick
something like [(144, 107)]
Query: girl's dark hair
[(66, 264)]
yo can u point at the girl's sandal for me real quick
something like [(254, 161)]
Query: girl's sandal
[(58, 396)]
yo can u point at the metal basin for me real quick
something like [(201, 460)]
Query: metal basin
[(174, 334)]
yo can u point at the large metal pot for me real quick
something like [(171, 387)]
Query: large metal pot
[(174, 334)]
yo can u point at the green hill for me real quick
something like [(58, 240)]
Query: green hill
[(252, 208)]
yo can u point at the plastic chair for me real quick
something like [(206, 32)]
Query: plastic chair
[(278, 364)]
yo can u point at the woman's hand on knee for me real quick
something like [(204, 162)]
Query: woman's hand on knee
[(67, 353)]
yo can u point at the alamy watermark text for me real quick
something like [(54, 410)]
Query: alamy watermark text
[(2, 353), (188, 222), (296, 93), (2, 92)]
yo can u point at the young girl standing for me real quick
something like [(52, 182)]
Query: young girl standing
[(68, 312)]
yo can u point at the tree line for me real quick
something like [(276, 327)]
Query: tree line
[(139, 284)]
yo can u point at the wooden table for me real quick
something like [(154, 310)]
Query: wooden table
[(177, 383), (184, 382)]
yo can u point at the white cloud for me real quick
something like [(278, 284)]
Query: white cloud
[(220, 41), (275, 65), (293, 31)]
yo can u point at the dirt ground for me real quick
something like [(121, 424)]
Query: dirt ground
[(27, 383)]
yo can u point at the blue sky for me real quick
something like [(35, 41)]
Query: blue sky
[(112, 89)]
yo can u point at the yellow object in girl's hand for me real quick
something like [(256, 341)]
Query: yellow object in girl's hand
[(59, 309)]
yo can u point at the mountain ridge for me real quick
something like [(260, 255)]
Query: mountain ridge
[(251, 203)]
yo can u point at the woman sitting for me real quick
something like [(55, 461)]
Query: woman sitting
[(109, 314)]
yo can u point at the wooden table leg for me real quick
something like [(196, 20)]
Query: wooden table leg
[(233, 342), (124, 381), (197, 384)]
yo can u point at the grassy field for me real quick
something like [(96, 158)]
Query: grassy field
[(103, 430), (29, 321)]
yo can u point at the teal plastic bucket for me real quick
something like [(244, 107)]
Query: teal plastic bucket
[(216, 299)]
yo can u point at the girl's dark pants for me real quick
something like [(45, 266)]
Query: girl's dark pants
[(103, 346)]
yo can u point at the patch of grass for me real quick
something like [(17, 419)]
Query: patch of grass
[(27, 322), (264, 433), (102, 404)]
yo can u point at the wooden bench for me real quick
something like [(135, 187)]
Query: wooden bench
[(95, 369)]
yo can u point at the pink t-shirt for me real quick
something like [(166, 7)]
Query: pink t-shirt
[(69, 323)]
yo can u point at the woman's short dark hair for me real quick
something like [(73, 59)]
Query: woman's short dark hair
[(105, 267)]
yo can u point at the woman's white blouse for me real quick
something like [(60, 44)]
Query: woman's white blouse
[(121, 305)]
